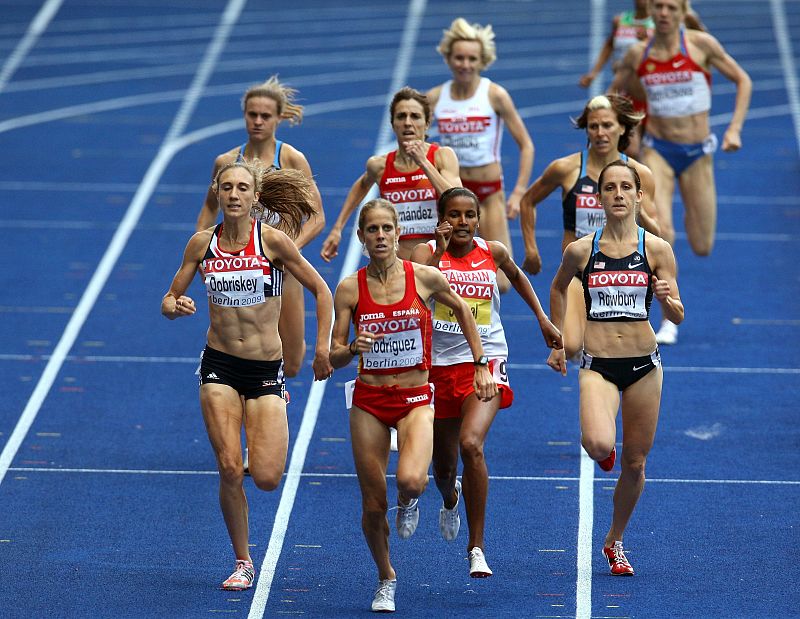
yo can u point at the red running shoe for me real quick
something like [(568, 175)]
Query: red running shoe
[(608, 463), (617, 560)]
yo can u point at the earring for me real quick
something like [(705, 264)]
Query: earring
[(364, 251)]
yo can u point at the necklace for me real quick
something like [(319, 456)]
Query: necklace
[(384, 272)]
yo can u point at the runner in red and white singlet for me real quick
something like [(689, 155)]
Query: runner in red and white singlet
[(413, 175)]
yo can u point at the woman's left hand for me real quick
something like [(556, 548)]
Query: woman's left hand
[(558, 360), (661, 288), (484, 385), (416, 150), (321, 365), (552, 336)]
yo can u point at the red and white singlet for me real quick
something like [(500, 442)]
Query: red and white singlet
[(240, 279), (413, 195), (675, 87), (405, 327), (474, 278)]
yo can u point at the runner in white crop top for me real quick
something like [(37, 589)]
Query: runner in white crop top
[(470, 111)]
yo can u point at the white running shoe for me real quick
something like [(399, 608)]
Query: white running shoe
[(449, 520), (667, 333), (477, 564), (393, 439), (407, 518), (383, 602)]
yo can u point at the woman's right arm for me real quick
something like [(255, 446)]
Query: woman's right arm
[(210, 209), (570, 264), (605, 53), (175, 304), (345, 298), (541, 188)]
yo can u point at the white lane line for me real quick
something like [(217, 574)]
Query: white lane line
[(765, 321), (583, 593), (596, 38), (787, 62), (35, 30), (118, 241), (514, 478), (413, 22)]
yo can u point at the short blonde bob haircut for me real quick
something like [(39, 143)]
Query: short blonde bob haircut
[(461, 30)]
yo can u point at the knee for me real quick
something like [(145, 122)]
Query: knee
[(231, 470), (266, 481), (703, 247), (597, 449), (373, 510), (412, 486), (444, 471), (471, 448), (633, 463), (667, 231)]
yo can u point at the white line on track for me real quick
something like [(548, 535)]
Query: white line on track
[(766, 321), (35, 30), (120, 238), (787, 62), (513, 478), (596, 37), (411, 28), (583, 589)]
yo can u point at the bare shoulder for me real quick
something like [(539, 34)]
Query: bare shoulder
[(498, 96), (292, 154), (198, 243), (562, 167), (272, 236), (656, 243), (444, 153), (580, 249), (658, 248), (348, 288), (226, 158), (429, 276), (499, 251), (641, 168), (433, 95), (376, 164), (708, 45)]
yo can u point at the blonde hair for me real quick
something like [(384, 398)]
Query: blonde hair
[(373, 205), (461, 30), (283, 96), (621, 106), (287, 194), (254, 167)]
